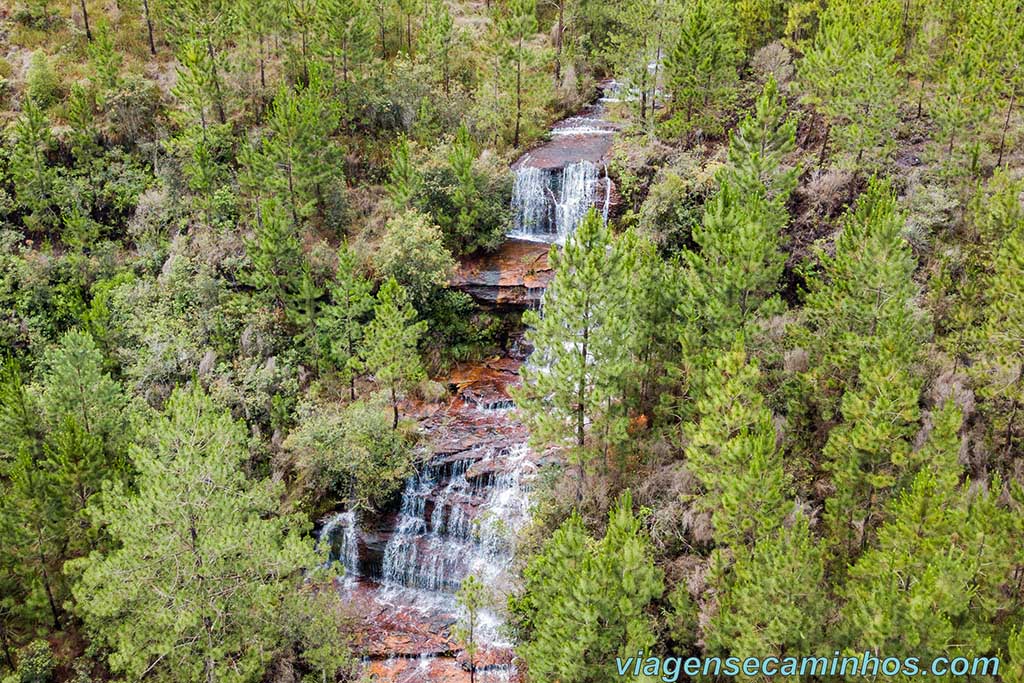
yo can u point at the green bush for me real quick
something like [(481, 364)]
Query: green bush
[(35, 664), (350, 453)]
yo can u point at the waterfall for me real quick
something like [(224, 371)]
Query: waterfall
[(444, 531), (531, 203), (339, 535), (547, 205)]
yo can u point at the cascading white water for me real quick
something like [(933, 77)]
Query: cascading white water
[(532, 202), (548, 205), (339, 533), (451, 526), (576, 196)]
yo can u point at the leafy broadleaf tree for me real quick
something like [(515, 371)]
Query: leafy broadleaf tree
[(203, 567), (413, 253)]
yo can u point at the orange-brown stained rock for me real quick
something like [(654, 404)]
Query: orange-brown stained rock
[(515, 274)]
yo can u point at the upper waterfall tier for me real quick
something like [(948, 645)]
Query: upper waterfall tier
[(560, 179)]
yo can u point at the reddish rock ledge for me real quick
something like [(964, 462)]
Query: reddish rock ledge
[(515, 274)]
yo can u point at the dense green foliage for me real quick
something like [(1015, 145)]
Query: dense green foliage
[(779, 394)]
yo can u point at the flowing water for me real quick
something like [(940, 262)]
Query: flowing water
[(556, 183), (461, 512), (548, 204)]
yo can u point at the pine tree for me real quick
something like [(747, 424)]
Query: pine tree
[(303, 311), (517, 27), (439, 38), (104, 59), (471, 598), (585, 601), (194, 86), (21, 419), (403, 178), (1001, 368), (257, 20), (81, 118), (732, 452), (571, 392), (390, 341), (960, 108), (784, 569), (867, 454), (758, 22), (207, 27), (651, 345), (932, 584), (850, 75), (32, 523), (342, 322), (348, 42), (701, 68), (77, 388), (275, 253), (301, 17), (861, 304), (34, 180), (467, 194), (735, 274), (203, 568), (637, 41), (409, 11), (758, 146), (299, 151)]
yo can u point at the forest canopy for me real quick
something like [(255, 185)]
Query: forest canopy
[(773, 386)]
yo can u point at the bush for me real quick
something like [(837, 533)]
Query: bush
[(350, 452), (413, 252), (674, 204), (35, 664)]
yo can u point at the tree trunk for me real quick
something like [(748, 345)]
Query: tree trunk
[(394, 408), (519, 92), (8, 657), (1013, 415), (824, 146), (558, 43), (149, 27), (85, 20), (1006, 124), (49, 590), (221, 115), (263, 68)]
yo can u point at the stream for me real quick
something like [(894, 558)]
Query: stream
[(461, 513)]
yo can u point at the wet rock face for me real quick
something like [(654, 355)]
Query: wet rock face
[(458, 517), (514, 275)]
